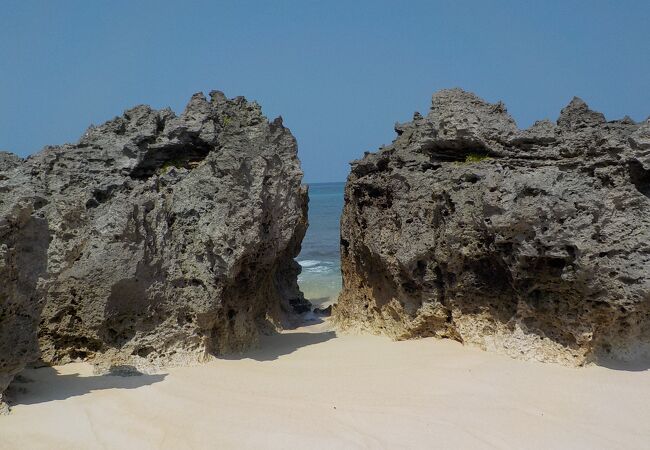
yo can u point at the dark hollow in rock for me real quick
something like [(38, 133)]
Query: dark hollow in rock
[(156, 239), (534, 243)]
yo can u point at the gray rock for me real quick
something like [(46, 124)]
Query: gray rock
[(156, 239), (534, 243), (324, 311)]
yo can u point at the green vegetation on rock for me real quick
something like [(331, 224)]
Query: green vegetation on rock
[(476, 157)]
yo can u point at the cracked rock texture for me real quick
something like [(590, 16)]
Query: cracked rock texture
[(156, 239), (534, 243)]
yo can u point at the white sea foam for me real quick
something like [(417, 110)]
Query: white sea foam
[(317, 266), (309, 263), (319, 269)]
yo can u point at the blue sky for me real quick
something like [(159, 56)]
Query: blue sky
[(340, 73)]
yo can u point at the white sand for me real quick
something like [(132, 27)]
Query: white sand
[(309, 389)]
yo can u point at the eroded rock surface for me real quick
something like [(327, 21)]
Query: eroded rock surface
[(156, 239), (534, 243)]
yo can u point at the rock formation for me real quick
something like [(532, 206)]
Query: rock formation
[(156, 239), (534, 243)]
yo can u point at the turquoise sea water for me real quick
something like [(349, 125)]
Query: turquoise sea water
[(320, 279)]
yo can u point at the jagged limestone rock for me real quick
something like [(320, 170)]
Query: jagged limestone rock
[(534, 243), (156, 239)]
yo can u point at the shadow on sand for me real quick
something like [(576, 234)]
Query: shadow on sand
[(627, 366), (280, 344), (45, 384)]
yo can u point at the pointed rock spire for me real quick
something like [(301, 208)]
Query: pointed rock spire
[(578, 115)]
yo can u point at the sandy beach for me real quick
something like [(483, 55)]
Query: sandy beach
[(309, 388)]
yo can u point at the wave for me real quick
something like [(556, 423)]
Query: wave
[(319, 269), (309, 263), (315, 266)]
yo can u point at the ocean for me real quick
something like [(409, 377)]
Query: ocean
[(320, 259)]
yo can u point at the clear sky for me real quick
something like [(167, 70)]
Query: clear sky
[(339, 72)]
